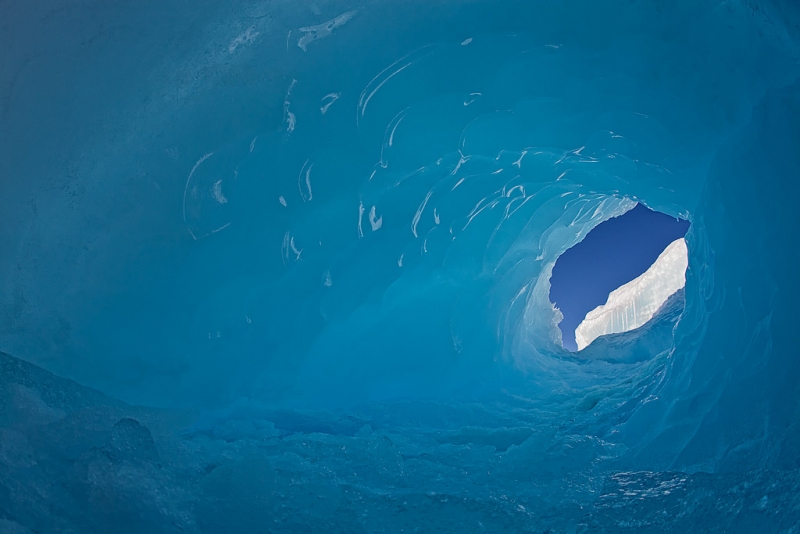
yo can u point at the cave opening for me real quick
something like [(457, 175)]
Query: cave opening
[(618, 276)]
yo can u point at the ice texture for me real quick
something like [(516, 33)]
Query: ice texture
[(284, 266), (633, 304)]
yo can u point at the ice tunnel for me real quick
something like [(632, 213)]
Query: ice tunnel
[(284, 266)]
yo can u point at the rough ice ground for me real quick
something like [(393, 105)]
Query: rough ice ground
[(635, 303), (336, 260), (74, 460)]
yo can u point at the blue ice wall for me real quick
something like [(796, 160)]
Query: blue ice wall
[(315, 241)]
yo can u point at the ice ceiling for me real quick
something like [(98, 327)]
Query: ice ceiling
[(318, 237)]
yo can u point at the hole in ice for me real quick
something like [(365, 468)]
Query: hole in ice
[(619, 275)]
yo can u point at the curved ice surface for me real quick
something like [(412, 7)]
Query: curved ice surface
[(291, 261), (635, 303)]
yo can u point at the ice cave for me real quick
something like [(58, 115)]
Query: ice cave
[(285, 266)]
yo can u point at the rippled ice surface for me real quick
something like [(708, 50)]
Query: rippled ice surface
[(292, 262)]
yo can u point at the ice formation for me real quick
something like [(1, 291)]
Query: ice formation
[(284, 266), (635, 303)]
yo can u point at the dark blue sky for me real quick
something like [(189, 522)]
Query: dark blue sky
[(613, 254)]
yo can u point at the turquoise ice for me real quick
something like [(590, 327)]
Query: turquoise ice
[(288, 264)]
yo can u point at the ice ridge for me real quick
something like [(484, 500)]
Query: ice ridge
[(633, 304)]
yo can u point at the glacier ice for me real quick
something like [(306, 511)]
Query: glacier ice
[(249, 285), (633, 304)]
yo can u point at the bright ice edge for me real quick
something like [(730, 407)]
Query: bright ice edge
[(633, 304)]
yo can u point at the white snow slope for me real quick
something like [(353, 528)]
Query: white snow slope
[(633, 304)]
